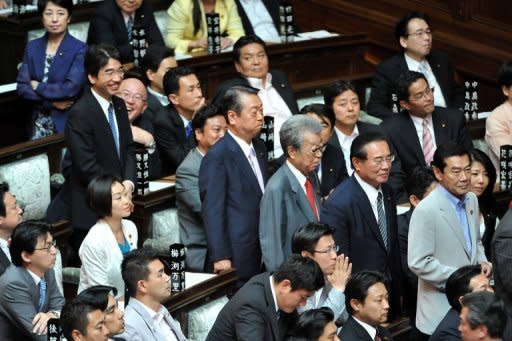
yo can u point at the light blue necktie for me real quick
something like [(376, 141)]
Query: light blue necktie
[(42, 293), (112, 124)]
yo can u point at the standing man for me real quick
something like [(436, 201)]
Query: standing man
[(414, 34), (98, 136), (209, 126), (444, 234), (363, 213), (232, 180), (11, 215), (261, 18), (291, 198), (173, 131), (30, 296), (114, 22)]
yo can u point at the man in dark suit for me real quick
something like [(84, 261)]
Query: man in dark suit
[(98, 136), (416, 132), (263, 20), (290, 199), (265, 308), (30, 296), (11, 215), (363, 213), (414, 35), (232, 178), (114, 22), (209, 126), (251, 61), (173, 132), (366, 299)]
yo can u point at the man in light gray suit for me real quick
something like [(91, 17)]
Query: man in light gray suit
[(147, 286), (291, 197), (209, 126), (444, 234), (29, 293)]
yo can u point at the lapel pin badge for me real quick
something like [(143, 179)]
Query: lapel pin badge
[(471, 212), (443, 125), (282, 85)]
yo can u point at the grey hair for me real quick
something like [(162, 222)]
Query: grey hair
[(485, 309), (292, 131)]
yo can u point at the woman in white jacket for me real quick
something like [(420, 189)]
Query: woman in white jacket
[(104, 247)]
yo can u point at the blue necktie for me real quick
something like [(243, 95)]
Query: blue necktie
[(112, 124), (129, 28), (42, 293), (188, 129)]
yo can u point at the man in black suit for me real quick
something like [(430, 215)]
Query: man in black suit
[(265, 308), (416, 132), (276, 94), (263, 20), (414, 35), (363, 213), (366, 298), (115, 21), (11, 215), (98, 136), (173, 132)]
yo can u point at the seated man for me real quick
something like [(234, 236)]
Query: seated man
[(155, 64), (366, 299), (11, 215), (316, 324), (498, 127), (209, 126), (265, 308), (414, 35), (30, 296), (416, 132), (173, 132), (261, 18), (276, 94), (464, 280), (482, 317), (148, 286), (316, 241), (114, 22), (290, 199)]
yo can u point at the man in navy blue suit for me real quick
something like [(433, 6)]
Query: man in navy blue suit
[(231, 182)]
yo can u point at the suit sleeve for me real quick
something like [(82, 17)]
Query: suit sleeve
[(94, 257), (24, 77), (213, 182), (271, 225), (250, 324), (502, 258), (464, 136), (154, 36), (55, 299), (380, 97), (176, 25), (337, 217), (170, 147), (187, 188), (130, 164)]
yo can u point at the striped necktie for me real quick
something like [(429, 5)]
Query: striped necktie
[(428, 145), (382, 220)]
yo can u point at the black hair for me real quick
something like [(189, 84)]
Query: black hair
[(505, 74), (420, 180), (98, 295), (97, 56), (403, 23), (232, 99), (99, 194), (486, 200), (66, 4), (321, 111), (311, 323), (202, 115), (302, 272), (447, 150), (4, 188), (358, 148), (135, 267), (243, 41), (358, 285), (306, 237), (486, 309), (155, 53), (171, 81), (335, 89), (196, 15), (457, 284), (24, 238), (404, 81)]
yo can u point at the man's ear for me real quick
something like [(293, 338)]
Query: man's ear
[(25, 257), (173, 99), (405, 105)]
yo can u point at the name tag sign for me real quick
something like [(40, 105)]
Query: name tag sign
[(213, 27), (286, 29), (177, 253)]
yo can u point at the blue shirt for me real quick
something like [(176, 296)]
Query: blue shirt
[(459, 205)]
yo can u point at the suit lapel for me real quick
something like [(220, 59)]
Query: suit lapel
[(300, 196), (271, 308), (470, 214), (40, 58), (362, 334), (243, 163), (409, 135), (4, 261)]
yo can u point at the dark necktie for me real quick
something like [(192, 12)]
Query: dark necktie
[(42, 293), (310, 194), (188, 129), (129, 28), (382, 220), (112, 124)]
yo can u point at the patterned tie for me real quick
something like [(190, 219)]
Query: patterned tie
[(428, 145), (253, 160), (188, 129), (129, 28), (310, 194), (112, 124), (382, 220), (42, 293)]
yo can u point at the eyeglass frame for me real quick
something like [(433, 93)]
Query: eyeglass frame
[(418, 34), (335, 248), (48, 247), (424, 95), (133, 95)]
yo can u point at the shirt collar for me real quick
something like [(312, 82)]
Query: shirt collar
[(161, 98), (413, 64), (246, 148), (301, 178), (258, 83), (418, 121), (370, 191), (35, 277), (102, 101), (369, 329), (454, 201), (156, 316), (342, 137), (271, 278)]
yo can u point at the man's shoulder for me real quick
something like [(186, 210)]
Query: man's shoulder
[(438, 56), (14, 276), (190, 163), (392, 63), (448, 113)]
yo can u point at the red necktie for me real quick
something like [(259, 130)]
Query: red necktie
[(310, 194)]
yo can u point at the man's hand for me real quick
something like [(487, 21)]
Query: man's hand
[(40, 322), (34, 84), (221, 265), (142, 136), (486, 268), (341, 274)]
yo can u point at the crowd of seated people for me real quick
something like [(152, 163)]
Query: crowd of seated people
[(316, 241)]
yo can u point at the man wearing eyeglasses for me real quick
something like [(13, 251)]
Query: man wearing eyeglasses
[(363, 213), (30, 296), (444, 234), (416, 132), (98, 136), (414, 34)]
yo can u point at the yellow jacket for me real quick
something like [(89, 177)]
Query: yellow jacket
[(180, 26)]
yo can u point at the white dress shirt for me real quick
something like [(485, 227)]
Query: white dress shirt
[(418, 124), (260, 20), (372, 193), (104, 104), (414, 65), (161, 98), (160, 322), (301, 178), (372, 331), (5, 248), (345, 144)]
